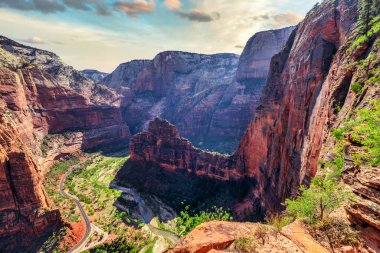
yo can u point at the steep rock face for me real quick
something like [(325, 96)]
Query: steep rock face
[(125, 74), (258, 52), (62, 73), (94, 75), (282, 144), (168, 166), (358, 65), (178, 82), (162, 144), (35, 110), (24, 208), (199, 94)]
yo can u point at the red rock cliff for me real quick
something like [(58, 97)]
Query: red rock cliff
[(282, 144), (38, 105)]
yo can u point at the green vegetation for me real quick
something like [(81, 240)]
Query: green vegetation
[(362, 129), (45, 144), (366, 32), (315, 205), (186, 222), (121, 245), (50, 245), (245, 245), (368, 9), (278, 221), (357, 88), (51, 183), (90, 183)]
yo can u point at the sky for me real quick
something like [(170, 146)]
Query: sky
[(101, 34)]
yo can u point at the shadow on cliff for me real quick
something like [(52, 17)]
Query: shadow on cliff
[(116, 149), (180, 188)]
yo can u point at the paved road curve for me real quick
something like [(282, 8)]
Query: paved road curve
[(83, 213)]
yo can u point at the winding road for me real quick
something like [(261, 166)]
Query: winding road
[(83, 213)]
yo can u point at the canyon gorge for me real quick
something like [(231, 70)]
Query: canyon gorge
[(240, 132)]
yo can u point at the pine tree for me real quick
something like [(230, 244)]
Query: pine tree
[(365, 13), (375, 8), (368, 9)]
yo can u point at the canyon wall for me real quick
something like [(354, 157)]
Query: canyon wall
[(282, 144), (48, 110), (309, 92), (200, 94)]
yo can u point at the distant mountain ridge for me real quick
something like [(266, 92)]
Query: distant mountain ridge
[(209, 98)]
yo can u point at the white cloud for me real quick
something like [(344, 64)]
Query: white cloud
[(79, 46), (34, 40), (173, 4)]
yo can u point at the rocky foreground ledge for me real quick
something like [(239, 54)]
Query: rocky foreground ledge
[(221, 236)]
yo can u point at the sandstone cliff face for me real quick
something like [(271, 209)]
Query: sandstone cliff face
[(258, 52), (282, 144), (125, 74), (162, 144), (24, 209), (170, 167), (199, 94), (357, 65), (36, 109)]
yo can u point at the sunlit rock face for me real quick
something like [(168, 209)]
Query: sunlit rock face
[(282, 144), (209, 98), (47, 110)]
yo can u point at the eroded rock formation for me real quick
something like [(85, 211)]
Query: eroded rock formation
[(43, 100)]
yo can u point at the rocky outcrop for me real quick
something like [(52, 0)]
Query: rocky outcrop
[(219, 236), (170, 167), (94, 75), (36, 109), (125, 74), (162, 144), (199, 94)]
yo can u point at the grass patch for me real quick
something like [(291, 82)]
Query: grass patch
[(363, 130)]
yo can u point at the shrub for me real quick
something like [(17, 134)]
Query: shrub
[(245, 245), (261, 233), (323, 196), (357, 88), (339, 232), (278, 221), (315, 204), (186, 222), (118, 245)]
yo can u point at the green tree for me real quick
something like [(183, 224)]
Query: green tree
[(368, 9), (316, 203), (186, 222)]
